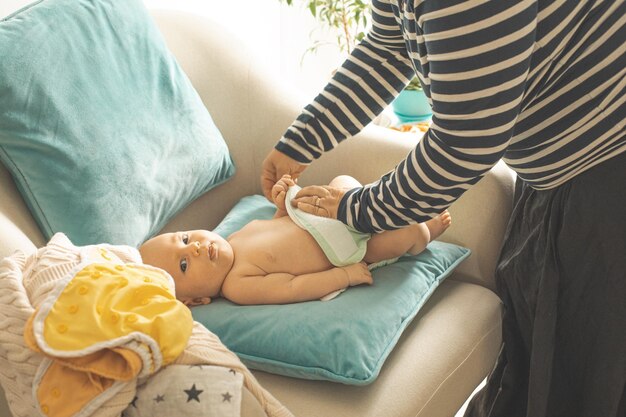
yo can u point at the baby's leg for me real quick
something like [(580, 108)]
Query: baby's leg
[(393, 243), (389, 244), (345, 182), (411, 239)]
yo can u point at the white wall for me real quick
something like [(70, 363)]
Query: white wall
[(279, 33)]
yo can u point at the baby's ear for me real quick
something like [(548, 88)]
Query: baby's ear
[(190, 302)]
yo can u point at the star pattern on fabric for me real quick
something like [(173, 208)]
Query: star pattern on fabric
[(159, 398), (133, 402), (193, 393), (233, 371), (226, 397)]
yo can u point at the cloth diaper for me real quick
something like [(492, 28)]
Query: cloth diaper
[(341, 244), (105, 324)]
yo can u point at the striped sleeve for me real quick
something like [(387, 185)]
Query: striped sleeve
[(474, 59), (372, 76)]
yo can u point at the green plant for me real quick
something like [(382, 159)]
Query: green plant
[(346, 18), (414, 85)]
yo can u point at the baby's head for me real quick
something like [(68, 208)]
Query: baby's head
[(198, 260)]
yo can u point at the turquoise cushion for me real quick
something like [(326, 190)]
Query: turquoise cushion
[(346, 339), (102, 131)]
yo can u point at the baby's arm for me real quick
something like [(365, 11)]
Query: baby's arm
[(279, 194), (284, 288)]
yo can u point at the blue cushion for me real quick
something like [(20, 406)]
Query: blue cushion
[(346, 339), (102, 131)]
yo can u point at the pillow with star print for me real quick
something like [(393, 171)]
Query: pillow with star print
[(190, 391)]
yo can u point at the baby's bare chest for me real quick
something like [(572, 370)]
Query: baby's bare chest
[(277, 245)]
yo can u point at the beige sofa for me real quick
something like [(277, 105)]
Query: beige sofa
[(452, 343)]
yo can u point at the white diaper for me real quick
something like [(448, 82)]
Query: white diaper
[(342, 244)]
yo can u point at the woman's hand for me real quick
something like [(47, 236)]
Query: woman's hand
[(321, 200), (275, 165)]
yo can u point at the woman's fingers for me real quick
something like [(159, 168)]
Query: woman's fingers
[(319, 200), (275, 165), (315, 208), (313, 191)]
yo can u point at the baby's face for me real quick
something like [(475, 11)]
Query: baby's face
[(198, 260)]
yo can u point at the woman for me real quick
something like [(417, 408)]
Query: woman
[(541, 85)]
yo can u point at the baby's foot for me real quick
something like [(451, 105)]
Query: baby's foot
[(438, 225), (429, 231)]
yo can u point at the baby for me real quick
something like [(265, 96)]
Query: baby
[(273, 261)]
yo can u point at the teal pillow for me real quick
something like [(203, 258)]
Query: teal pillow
[(102, 131), (346, 339)]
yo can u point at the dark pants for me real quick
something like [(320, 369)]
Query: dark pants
[(562, 278)]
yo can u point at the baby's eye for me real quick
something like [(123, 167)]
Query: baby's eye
[(183, 264), (185, 238)]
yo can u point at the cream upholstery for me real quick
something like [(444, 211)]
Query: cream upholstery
[(450, 346)]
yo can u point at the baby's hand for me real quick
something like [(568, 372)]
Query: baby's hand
[(279, 191), (358, 274)]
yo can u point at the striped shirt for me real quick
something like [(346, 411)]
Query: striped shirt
[(539, 84)]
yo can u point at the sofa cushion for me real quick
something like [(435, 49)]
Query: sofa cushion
[(100, 128), (346, 339)]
